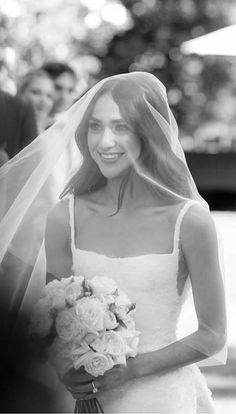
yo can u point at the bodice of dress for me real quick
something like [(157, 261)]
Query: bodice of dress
[(149, 280)]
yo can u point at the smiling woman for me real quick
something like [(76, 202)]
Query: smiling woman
[(130, 212), (111, 141)]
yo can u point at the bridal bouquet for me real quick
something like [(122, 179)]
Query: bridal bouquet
[(85, 323)]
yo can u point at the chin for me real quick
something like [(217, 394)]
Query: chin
[(110, 173)]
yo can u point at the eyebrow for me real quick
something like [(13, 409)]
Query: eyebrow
[(94, 118)]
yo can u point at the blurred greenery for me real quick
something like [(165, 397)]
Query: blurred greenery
[(103, 37)]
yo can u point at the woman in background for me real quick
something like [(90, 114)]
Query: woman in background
[(38, 88)]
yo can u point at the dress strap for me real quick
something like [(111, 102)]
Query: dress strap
[(72, 223), (180, 217)]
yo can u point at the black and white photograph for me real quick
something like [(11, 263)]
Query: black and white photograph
[(117, 206)]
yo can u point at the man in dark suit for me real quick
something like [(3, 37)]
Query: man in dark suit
[(17, 125)]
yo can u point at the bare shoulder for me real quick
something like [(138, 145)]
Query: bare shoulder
[(197, 218), (198, 227)]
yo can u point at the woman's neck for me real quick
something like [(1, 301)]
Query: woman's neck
[(136, 190)]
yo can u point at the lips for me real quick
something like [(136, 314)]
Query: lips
[(111, 157)]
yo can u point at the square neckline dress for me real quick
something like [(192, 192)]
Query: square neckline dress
[(150, 280)]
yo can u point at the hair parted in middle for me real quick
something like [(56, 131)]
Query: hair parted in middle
[(134, 94)]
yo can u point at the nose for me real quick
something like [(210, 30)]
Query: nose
[(107, 139), (42, 102)]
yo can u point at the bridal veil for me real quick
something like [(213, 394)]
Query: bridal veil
[(31, 182)]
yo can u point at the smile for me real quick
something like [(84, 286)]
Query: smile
[(111, 157)]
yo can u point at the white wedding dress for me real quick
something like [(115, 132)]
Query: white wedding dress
[(150, 280)]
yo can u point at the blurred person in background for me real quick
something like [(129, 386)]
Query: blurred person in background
[(17, 125), (36, 92), (65, 80), (38, 88)]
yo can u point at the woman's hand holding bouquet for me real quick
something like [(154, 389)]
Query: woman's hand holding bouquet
[(89, 331)]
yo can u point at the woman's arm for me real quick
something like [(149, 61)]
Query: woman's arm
[(200, 249), (57, 242)]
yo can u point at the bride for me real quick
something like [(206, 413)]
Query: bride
[(132, 212)]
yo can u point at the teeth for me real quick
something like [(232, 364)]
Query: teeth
[(110, 156)]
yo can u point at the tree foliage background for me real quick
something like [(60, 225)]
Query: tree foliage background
[(138, 35)]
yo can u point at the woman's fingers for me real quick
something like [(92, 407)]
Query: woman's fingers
[(84, 390), (80, 396), (77, 377)]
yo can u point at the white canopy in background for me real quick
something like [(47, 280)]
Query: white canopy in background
[(220, 42)]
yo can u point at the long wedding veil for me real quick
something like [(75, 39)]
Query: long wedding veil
[(31, 183)]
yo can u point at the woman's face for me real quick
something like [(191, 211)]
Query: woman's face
[(40, 92), (112, 143)]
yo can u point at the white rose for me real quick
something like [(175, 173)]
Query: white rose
[(131, 338), (128, 322), (58, 301), (73, 292), (56, 285), (110, 342), (122, 300), (41, 320), (79, 349), (91, 313), (132, 346), (119, 359), (110, 321), (68, 325), (65, 281), (78, 279), (102, 285), (90, 337), (122, 306), (51, 288), (54, 293), (95, 363), (59, 284)]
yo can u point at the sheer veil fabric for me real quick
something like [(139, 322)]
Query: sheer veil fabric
[(31, 183)]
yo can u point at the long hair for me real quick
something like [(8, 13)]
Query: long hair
[(133, 95)]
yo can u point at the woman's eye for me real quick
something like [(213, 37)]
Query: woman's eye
[(35, 92), (94, 126), (121, 128)]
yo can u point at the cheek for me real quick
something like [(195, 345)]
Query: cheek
[(49, 102), (135, 147), (92, 141), (34, 98)]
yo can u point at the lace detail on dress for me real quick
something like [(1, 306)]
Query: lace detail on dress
[(150, 280)]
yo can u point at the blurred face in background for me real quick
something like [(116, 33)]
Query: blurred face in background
[(65, 88), (40, 92)]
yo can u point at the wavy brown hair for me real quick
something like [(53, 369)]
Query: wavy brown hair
[(133, 94)]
